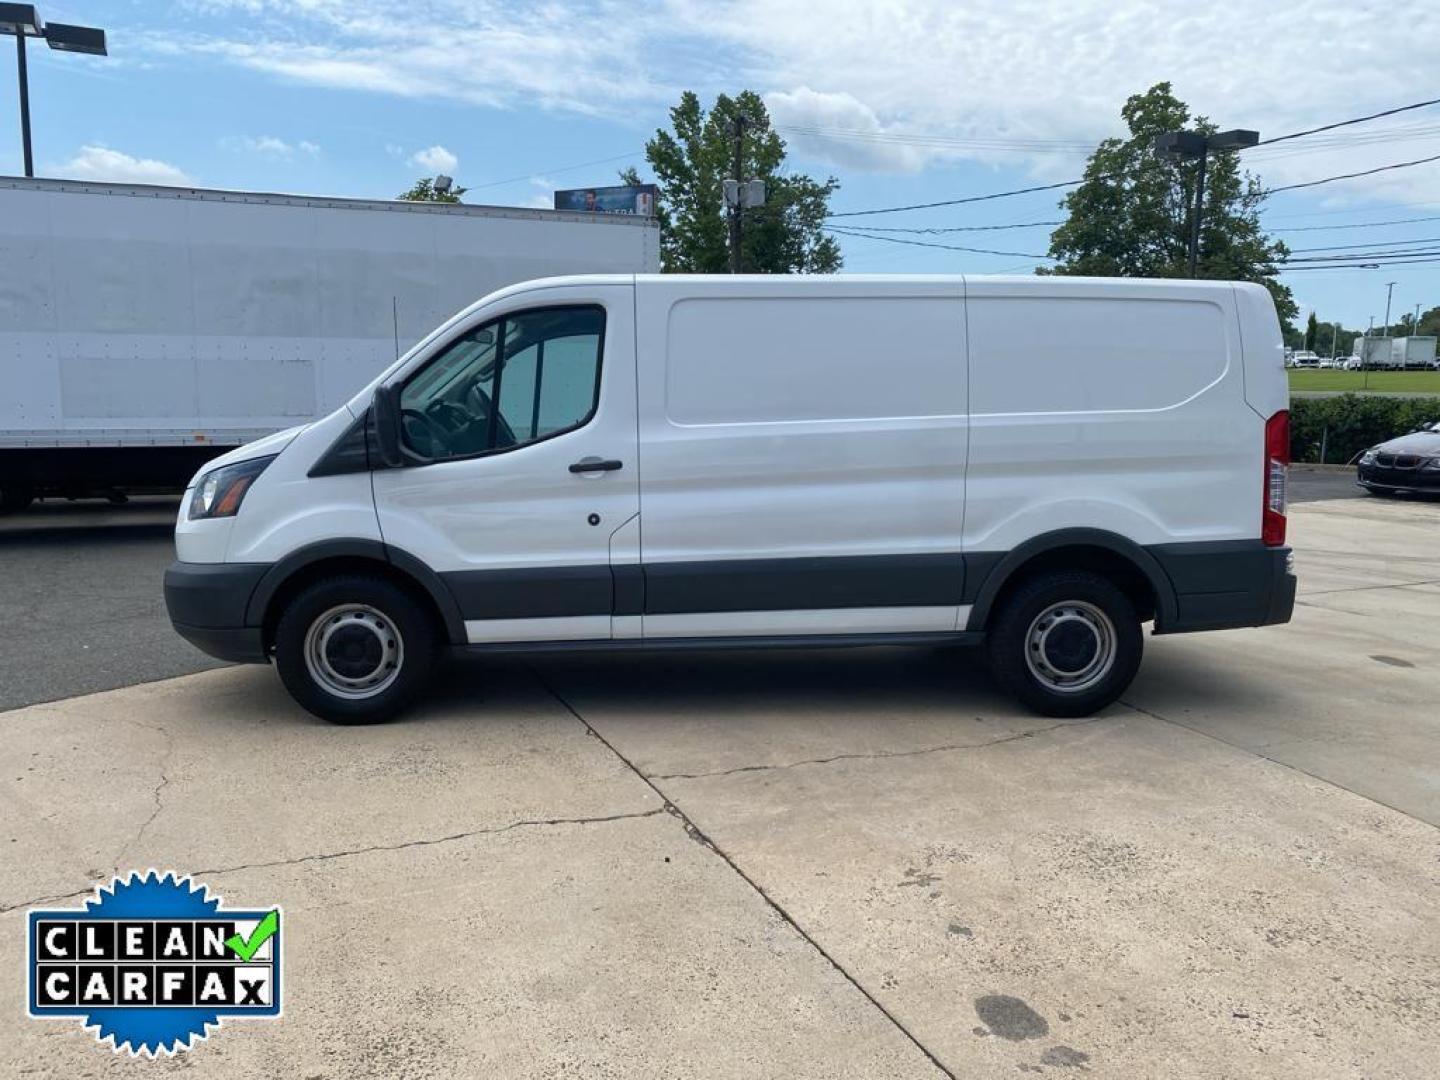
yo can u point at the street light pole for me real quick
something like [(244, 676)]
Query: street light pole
[(1178, 145), (1199, 209), (22, 21), (24, 71)]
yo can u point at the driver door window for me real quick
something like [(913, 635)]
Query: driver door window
[(542, 367)]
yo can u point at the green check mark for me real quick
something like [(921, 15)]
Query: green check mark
[(244, 948)]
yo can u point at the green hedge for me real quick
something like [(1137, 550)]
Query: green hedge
[(1351, 422)]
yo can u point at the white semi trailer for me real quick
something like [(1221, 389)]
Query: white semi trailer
[(146, 329)]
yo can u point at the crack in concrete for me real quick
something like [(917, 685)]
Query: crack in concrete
[(1371, 588), (325, 856), (1255, 751), (695, 833), (156, 794), (880, 754)]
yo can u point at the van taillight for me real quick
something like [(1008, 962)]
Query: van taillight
[(1277, 468)]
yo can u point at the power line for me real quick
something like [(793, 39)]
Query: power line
[(1352, 176), (961, 228), (1111, 176), (1372, 243), (1347, 123), (1362, 225), (841, 231), (1365, 256), (563, 168), (968, 199), (1368, 265)]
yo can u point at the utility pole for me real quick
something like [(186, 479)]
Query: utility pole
[(1334, 338), (1365, 352), (1415, 326), (736, 166), (1389, 292)]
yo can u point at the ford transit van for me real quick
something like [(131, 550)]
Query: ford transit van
[(1041, 465)]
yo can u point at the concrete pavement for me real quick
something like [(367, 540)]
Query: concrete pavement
[(860, 863)]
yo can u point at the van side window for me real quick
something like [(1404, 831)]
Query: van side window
[(514, 381)]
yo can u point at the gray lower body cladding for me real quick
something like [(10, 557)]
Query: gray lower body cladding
[(1205, 586)]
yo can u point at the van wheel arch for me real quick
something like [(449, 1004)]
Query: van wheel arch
[(289, 577), (1137, 573)]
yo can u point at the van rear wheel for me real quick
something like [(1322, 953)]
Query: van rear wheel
[(1066, 643), (355, 649)]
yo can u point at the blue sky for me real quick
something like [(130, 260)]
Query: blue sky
[(903, 100)]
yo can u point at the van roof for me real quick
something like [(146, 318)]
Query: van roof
[(1046, 285)]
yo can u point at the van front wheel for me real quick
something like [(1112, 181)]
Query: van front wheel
[(354, 649), (1066, 643)]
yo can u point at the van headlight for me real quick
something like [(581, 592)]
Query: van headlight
[(1368, 458), (220, 491)]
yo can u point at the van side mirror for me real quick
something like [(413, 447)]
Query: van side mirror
[(385, 408)]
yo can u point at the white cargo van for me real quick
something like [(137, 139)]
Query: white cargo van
[(1041, 464)]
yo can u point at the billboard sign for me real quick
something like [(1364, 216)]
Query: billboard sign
[(629, 199)]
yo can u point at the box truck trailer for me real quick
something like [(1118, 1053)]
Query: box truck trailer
[(1412, 352), (146, 329)]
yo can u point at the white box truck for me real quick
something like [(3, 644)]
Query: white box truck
[(653, 461), (1374, 352), (145, 329), (1412, 352)]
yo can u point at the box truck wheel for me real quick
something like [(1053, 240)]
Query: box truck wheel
[(1065, 643), (355, 649)]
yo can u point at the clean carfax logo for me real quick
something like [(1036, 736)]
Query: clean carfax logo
[(150, 963)]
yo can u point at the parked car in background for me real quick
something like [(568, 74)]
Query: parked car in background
[(1305, 360), (1409, 464)]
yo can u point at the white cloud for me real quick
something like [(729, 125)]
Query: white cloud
[(435, 159), (839, 128), (269, 146), (1027, 83), (102, 163)]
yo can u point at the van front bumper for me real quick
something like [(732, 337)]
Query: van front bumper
[(207, 604)]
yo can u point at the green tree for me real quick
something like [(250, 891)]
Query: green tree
[(690, 163), (1312, 331), (424, 191), (1131, 216)]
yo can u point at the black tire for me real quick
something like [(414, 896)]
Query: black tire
[(14, 498), (371, 611), (1086, 603)]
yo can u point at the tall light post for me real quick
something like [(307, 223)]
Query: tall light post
[(1389, 292), (22, 21), (1179, 145)]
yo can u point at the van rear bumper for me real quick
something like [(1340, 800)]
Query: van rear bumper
[(207, 604), (1221, 585)]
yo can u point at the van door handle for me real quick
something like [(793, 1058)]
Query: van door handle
[(595, 464)]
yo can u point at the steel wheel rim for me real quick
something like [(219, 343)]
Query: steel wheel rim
[(1070, 646), (354, 651)]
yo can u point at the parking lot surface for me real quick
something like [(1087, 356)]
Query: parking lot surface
[(861, 863)]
